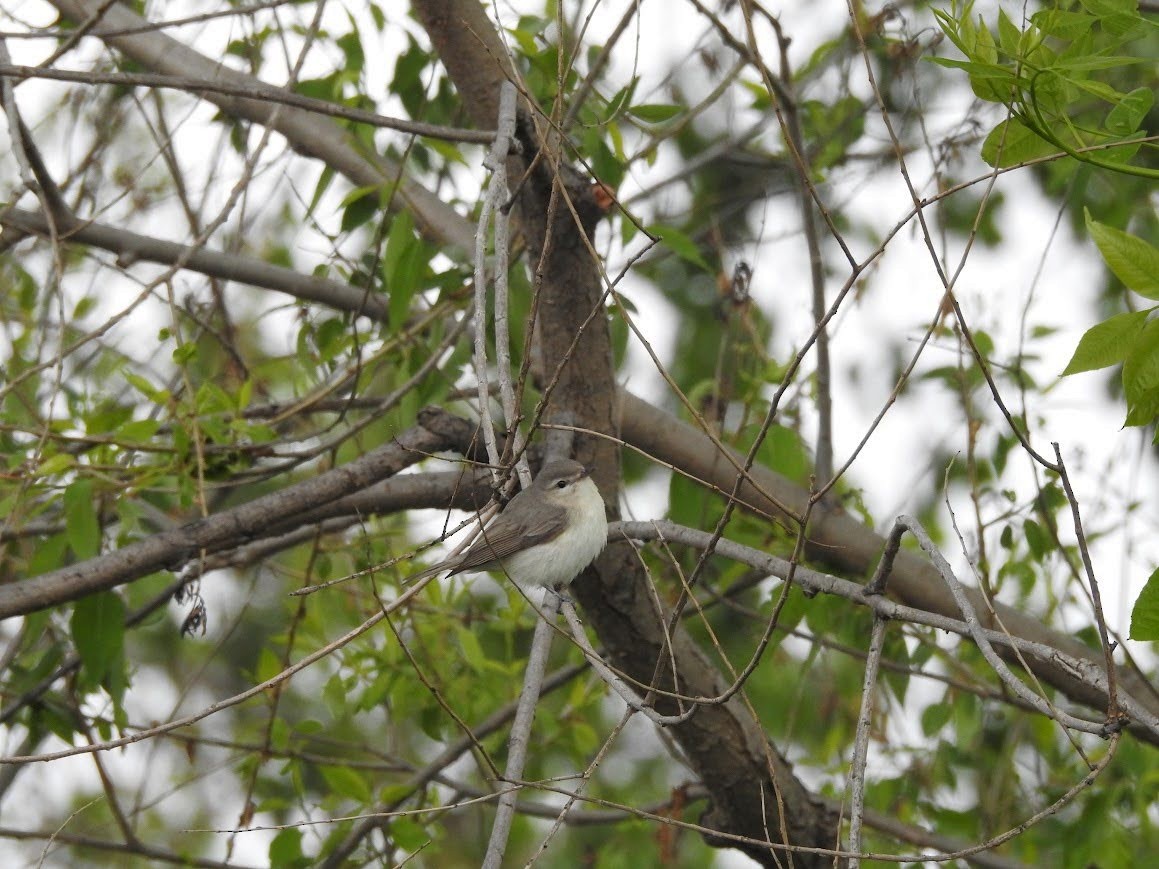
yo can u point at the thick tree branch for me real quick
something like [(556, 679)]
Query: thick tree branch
[(130, 246), (753, 790), (170, 550), (962, 624), (307, 133), (838, 540), (253, 90)]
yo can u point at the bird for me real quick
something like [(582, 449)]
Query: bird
[(546, 536)]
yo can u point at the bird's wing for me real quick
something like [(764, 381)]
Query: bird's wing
[(502, 539)]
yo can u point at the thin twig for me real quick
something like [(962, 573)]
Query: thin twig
[(493, 197), (1096, 598), (861, 742), (254, 91), (521, 730), (611, 679), (497, 187), (817, 582), (982, 640)]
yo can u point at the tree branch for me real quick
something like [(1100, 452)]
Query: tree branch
[(839, 541), (307, 133), (170, 550), (130, 246)]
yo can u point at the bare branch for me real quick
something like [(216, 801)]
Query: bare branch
[(840, 541), (307, 132), (251, 91), (130, 246), (520, 738), (1083, 669), (861, 742)]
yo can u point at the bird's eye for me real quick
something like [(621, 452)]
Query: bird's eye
[(561, 484)]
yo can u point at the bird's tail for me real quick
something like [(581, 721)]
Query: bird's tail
[(423, 574)]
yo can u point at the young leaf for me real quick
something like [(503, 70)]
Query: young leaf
[(80, 517), (98, 631), (359, 205), (1009, 34), (1141, 376), (1133, 261), (401, 266), (286, 849), (1065, 24), (654, 113), (473, 652), (1012, 142), (55, 464), (680, 244), (1106, 343), (1145, 613), (1128, 114), (345, 782)]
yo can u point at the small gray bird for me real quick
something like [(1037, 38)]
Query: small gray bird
[(547, 534)]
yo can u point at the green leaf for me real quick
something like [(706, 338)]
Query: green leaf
[(327, 88), (783, 451), (1107, 343), (996, 84), (984, 48), (351, 46), (55, 464), (320, 188), (679, 243), (1108, 7), (1012, 142), (654, 113), (1133, 261), (80, 517), (335, 697), (331, 338), (1141, 376), (472, 652), (360, 205), (1126, 117), (409, 835), (838, 125), (402, 265), (1007, 538), (286, 849), (138, 431), (1091, 64), (185, 353), (1121, 154), (147, 389), (935, 717), (993, 80), (1145, 613), (345, 782), (1036, 539), (98, 632), (1097, 89), (1009, 34), (1063, 23)]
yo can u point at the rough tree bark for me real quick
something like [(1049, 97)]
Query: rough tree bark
[(748, 780)]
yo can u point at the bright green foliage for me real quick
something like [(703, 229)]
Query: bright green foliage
[(1053, 73), (1145, 615), (1129, 338), (1080, 81), (98, 631)]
